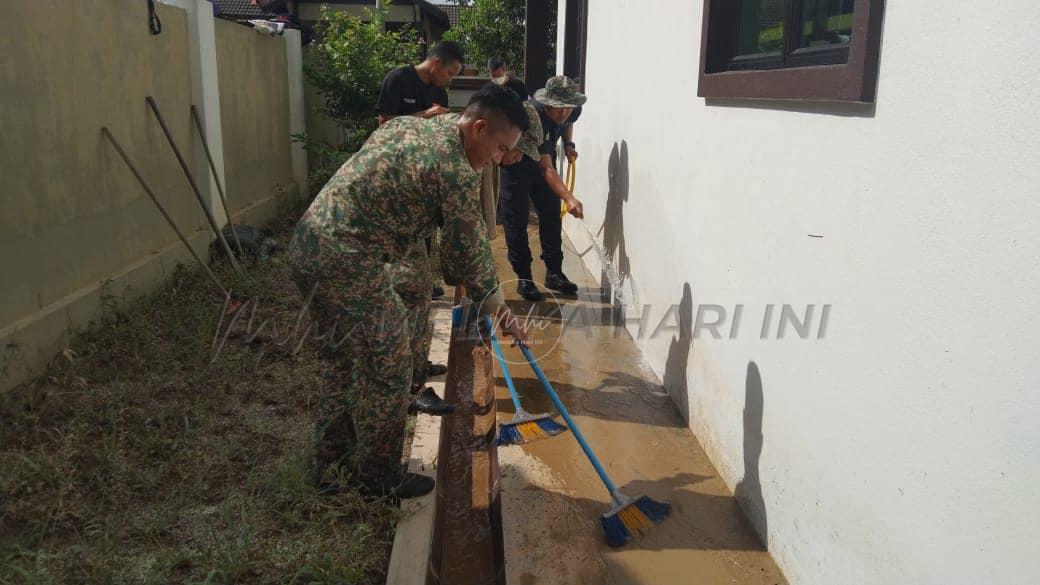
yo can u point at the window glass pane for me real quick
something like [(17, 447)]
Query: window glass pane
[(826, 22), (761, 27)]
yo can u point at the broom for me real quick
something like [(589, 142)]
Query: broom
[(524, 427), (627, 517)]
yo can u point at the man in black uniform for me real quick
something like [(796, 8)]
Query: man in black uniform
[(418, 90), (498, 71), (558, 105)]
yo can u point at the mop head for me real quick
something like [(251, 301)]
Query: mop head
[(632, 518), (526, 429)]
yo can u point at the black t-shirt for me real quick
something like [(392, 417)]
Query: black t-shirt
[(518, 86), (552, 132), (403, 93)]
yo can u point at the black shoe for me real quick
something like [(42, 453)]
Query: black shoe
[(528, 290), (413, 485), (438, 292), (559, 282), (428, 402), (433, 369)]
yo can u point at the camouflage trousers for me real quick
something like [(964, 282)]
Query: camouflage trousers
[(356, 296), (413, 282)]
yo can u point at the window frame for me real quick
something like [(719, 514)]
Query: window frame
[(795, 74)]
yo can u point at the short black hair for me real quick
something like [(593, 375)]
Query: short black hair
[(499, 102), (448, 52), (495, 63)]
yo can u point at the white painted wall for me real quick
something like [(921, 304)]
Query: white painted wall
[(903, 447)]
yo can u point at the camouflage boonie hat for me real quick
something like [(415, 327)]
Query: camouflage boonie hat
[(560, 92)]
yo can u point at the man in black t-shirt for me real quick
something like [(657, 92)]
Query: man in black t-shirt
[(499, 72), (418, 90)]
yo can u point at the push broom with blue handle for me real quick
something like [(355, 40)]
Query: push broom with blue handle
[(627, 517), (524, 427)]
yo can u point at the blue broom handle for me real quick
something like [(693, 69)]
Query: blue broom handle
[(505, 369), (570, 422)]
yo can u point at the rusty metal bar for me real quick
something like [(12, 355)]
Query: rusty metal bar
[(151, 194), (216, 179), (194, 187)]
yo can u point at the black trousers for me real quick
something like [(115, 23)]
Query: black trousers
[(521, 183)]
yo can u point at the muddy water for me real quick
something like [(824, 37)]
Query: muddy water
[(467, 546), (551, 497)]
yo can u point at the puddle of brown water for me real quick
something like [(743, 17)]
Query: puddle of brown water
[(552, 499)]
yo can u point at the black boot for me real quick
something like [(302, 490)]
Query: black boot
[(529, 290), (433, 369), (428, 402), (559, 282), (413, 485)]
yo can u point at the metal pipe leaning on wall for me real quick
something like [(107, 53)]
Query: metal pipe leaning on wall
[(126, 159), (194, 187), (216, 179)]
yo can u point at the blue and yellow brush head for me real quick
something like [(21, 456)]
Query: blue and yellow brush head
[(526, 431), (627, 521)]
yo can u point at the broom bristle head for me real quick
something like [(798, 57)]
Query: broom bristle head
[(632, 519), (551, 427), (516, 433)]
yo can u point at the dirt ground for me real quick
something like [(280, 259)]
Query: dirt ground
[(169, 445), (552, 499)]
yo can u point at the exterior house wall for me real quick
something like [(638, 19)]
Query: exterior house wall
[(901, 447)]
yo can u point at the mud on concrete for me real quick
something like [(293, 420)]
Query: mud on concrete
[(552, 499)]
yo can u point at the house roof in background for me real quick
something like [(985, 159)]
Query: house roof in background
[(431, 11), (453, 11), (240, 10)]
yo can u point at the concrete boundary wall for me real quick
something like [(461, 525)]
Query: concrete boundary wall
[(75, 227)]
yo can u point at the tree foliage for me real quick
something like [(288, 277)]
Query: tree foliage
[(349, 59), (346, 65), (491, 28)]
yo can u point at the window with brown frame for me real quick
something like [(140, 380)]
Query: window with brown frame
[(791, 49)]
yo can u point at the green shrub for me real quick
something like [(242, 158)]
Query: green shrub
[(346, 66)]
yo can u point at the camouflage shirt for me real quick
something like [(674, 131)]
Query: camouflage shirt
[(532, 139), (411, 176)]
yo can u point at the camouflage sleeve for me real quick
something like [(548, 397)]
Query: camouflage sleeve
[(532, 139), (465, 251)]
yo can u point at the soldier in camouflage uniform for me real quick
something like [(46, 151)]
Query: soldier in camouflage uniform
[(412, 281), (352, 253)]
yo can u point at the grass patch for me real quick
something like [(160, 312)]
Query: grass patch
[(136, 458)]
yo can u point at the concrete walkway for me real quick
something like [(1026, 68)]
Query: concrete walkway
[(551, 497)]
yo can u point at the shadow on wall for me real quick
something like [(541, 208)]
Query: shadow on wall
[(613, 228), (749, 491), (676, 364)]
